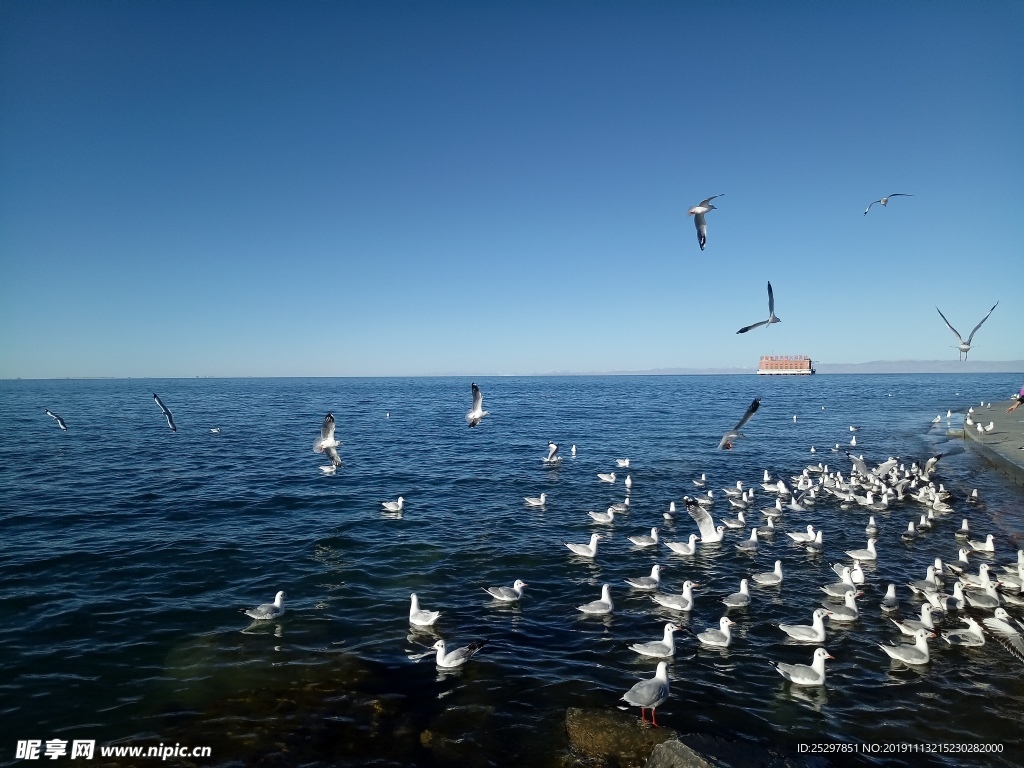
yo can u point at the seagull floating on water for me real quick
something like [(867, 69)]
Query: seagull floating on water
[(647, 582), (600, 607), (802, 674), (419, 617), (644, 540), (770, 578), (771, 316), (167, 413), (683, 548), (458, 657), (268, 610), (659, 649), (393, 506), (585, 550), (803, 633), (507, 594), (698, 211), (606, 477), (965, 346), (911, 654), (885, 200), (552, 457), (536, 501), (739, 599), (709, 534), (718, 638), (681, 602), (60, 421)]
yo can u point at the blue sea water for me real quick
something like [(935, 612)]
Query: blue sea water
[(129, 549)]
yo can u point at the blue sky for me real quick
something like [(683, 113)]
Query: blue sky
[(393, 188)]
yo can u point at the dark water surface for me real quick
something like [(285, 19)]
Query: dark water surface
[(128, 551)]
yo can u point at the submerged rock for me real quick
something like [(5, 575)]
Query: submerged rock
[(618, 738)]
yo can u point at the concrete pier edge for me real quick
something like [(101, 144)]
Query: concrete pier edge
[(1002, 447)]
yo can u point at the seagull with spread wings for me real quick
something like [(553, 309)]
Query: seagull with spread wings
[(885, 200), (771, 313), (326, 442), (477, 412), (965, 346), (698, 212), (58, 419), (731, 436)]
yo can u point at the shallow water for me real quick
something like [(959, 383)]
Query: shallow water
[(129, 550)]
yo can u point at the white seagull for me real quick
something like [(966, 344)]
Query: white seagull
[(552, 457), (739, 599), (1008, 635), (477, 412), (659, 649), (393, 506), (326, 442), (733, 434), (418, 617), (771, 314), (963, 346), (167, 413), (709, 534), (647, 582), (585, 550), (770, 578), (622, 463), (801, 674), (644, 540), (606, 477), (885, 200), (458, 657), (507, 594), (911, 654), (815, 633), (60, 421), (536, 501), (649, 694), (599, 607), (718, 638), (268, 610), (698, 212), (681, 602)]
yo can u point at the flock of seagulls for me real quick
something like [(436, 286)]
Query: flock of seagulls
[(878, 490)]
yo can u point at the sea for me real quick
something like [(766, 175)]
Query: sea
[(129, 553)]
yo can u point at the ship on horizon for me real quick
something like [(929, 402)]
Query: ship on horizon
[(785, 365)]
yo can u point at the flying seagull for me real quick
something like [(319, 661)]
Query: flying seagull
[(730, 437), (167, 413), (698, 212), (963, 346), (326, 442), (58, 419), (885, 200), (771, 313), (477, 412)]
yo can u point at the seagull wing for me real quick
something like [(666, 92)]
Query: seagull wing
[(771, 300), (898, 194), (327, 429), (478, 398), (552, 451), (750, 412), (704, 520), (982, 321), (167, 413), (709, 199), (702, 229), (859, 464), (746, 328), (332, 453), (869, 207), (954, 330)]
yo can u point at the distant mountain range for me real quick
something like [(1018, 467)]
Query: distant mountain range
[(876, 366)]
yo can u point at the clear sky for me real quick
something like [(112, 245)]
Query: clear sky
[(390, 188)]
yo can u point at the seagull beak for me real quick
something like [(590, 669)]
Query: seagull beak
[(830, 656)]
